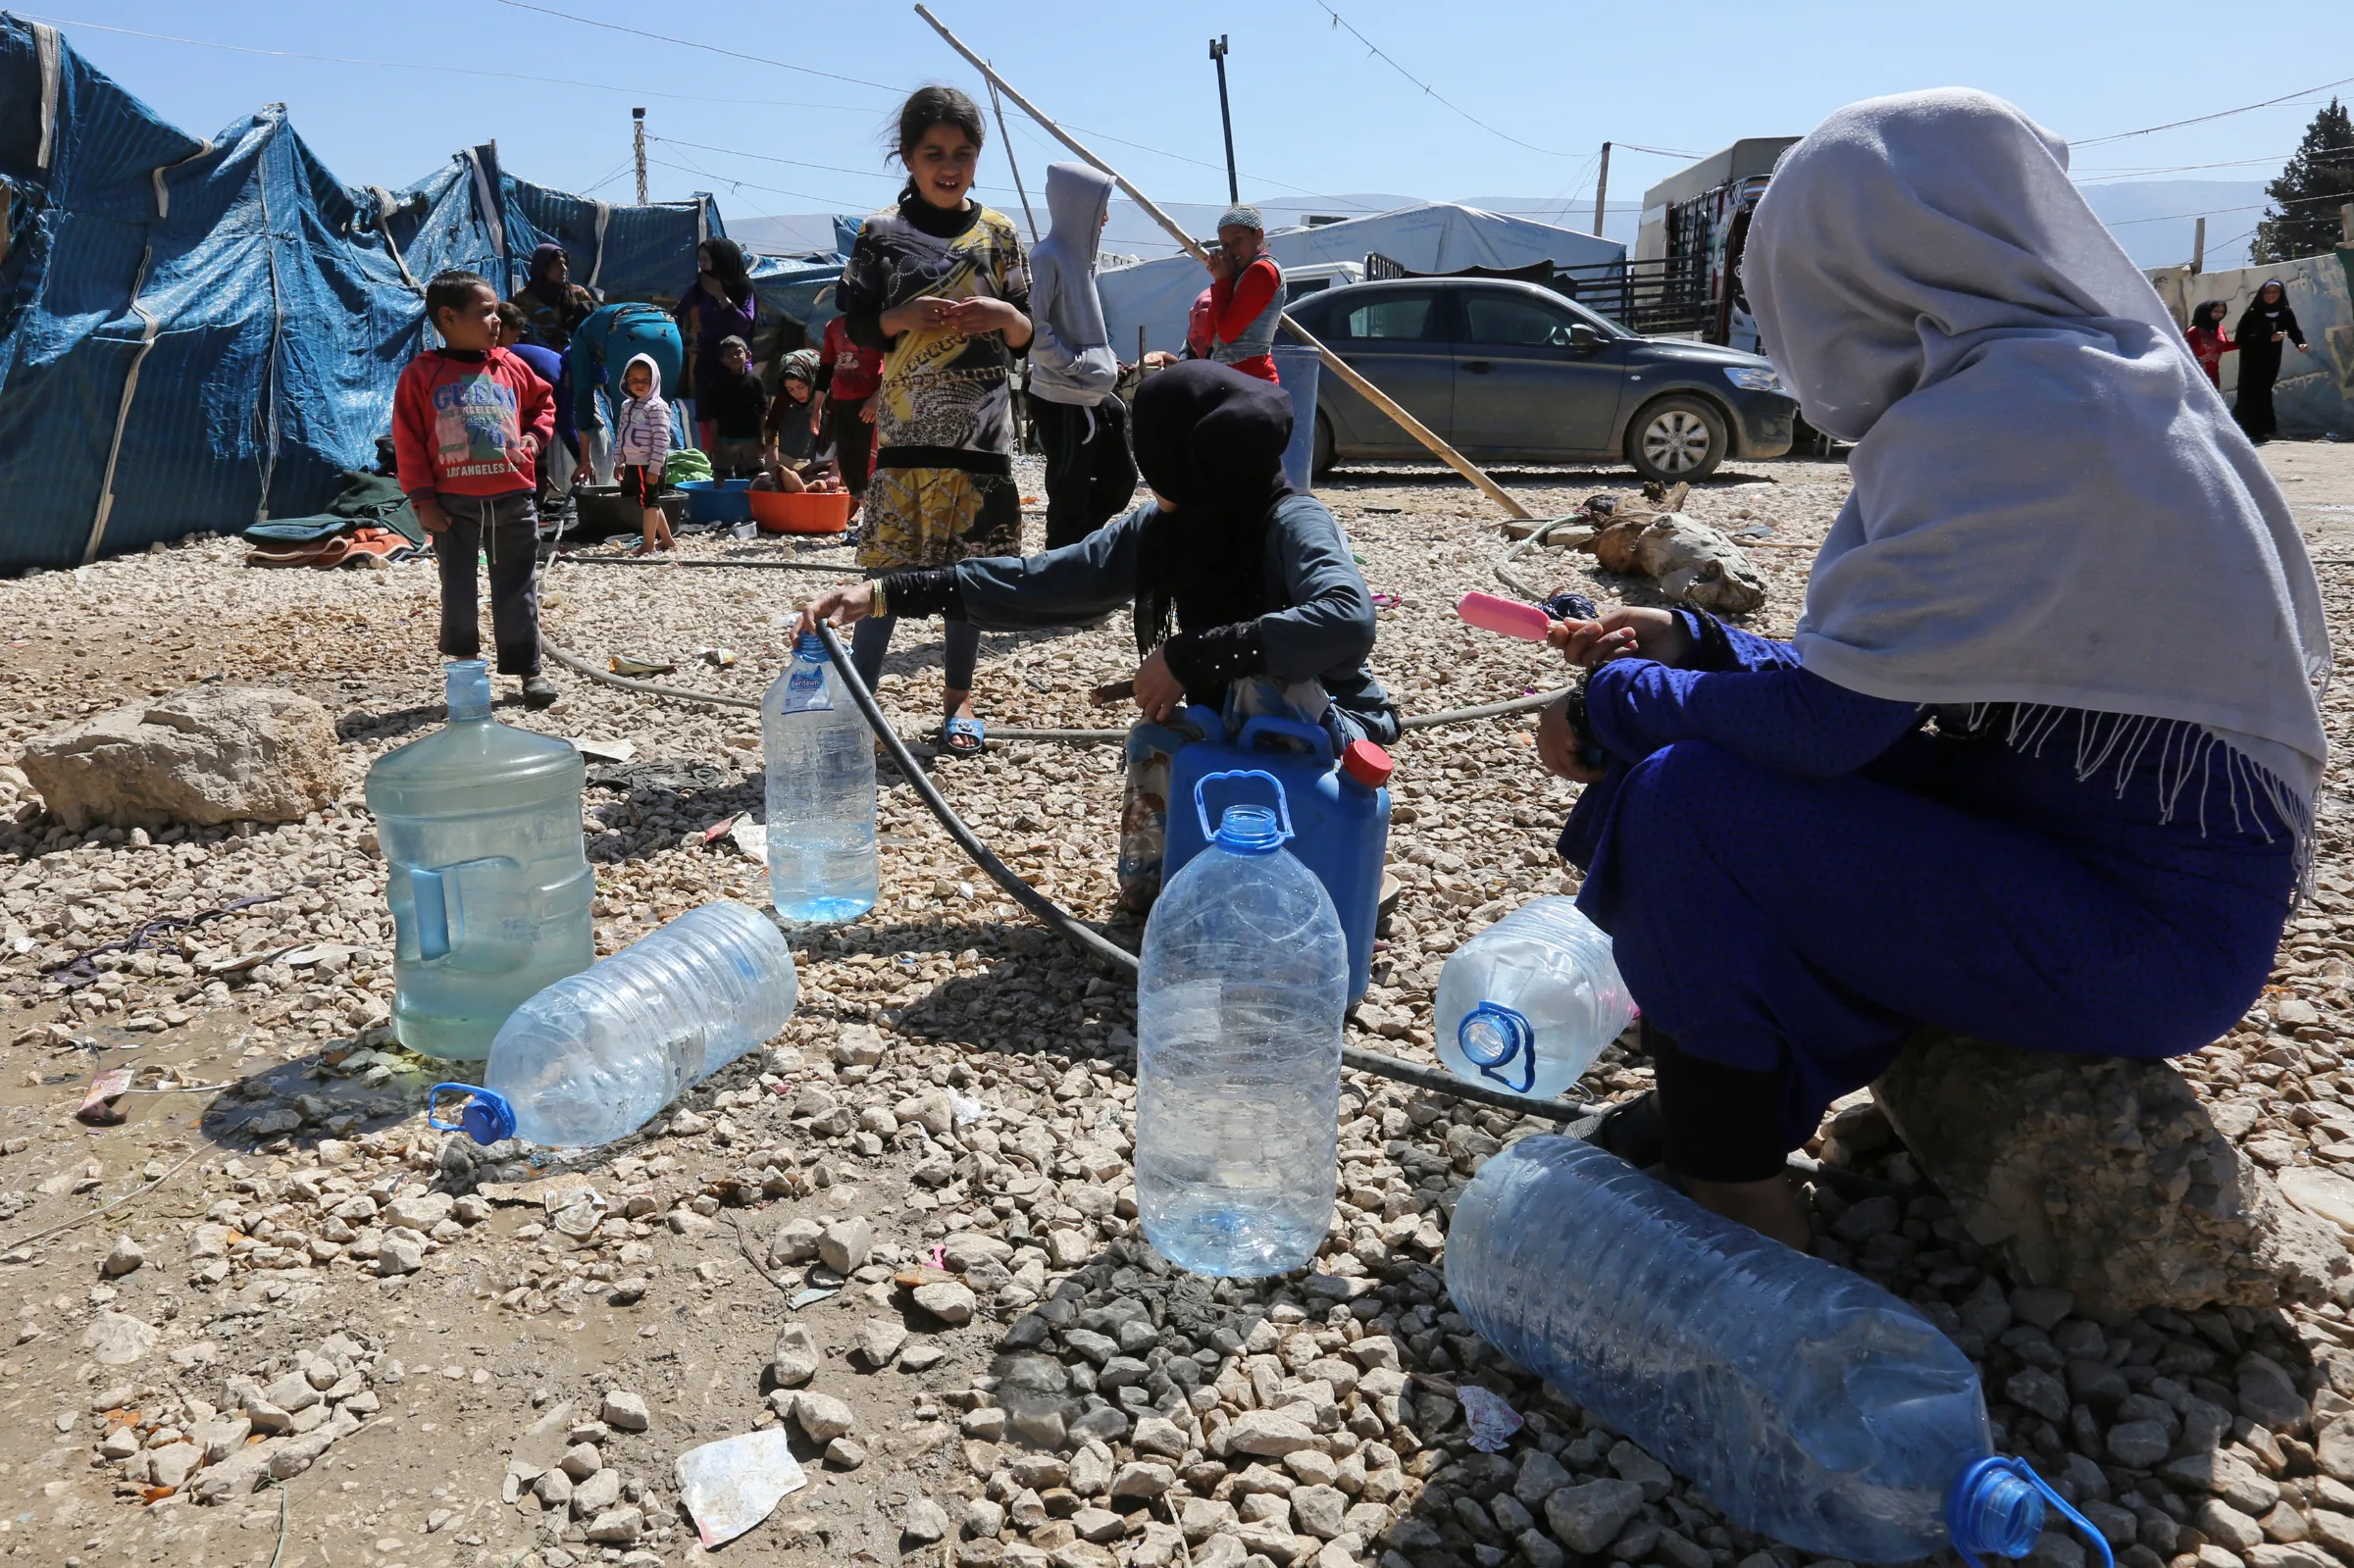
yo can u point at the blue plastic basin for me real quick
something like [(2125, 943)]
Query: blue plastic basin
[(718, 500)]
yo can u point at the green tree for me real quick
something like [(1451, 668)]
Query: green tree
[(2318, 179)]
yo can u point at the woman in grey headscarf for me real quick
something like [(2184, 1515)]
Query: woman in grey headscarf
[(2094, 847)]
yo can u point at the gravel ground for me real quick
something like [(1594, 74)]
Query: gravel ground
[(310, 1314)]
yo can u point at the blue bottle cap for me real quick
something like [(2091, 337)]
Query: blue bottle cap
[(1501, 1044), (466, 686), (489, 1119), (809, 646), (1997, 1508)]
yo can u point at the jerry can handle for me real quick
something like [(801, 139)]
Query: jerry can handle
[(432, 897), (1283, 809), (1269, 724)]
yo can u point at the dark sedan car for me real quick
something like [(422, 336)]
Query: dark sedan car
[(1509, 372)]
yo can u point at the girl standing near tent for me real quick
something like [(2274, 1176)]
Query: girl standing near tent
[(938, 283), (720, 305), (2264, 326), (2208, 341), (2096, 846)]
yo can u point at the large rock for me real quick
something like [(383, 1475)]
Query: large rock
[(207, 755), (2104, 1177)]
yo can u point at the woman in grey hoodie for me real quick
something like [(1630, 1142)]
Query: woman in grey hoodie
[(1081, 423)]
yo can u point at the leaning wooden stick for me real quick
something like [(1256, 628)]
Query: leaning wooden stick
[(1332, 362)]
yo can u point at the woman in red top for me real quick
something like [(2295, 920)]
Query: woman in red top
[(2208, 343), (1246, 295)]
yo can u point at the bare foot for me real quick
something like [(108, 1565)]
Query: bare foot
[(1769, 1208)]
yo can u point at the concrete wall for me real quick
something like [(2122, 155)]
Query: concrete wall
[(2314, 395)]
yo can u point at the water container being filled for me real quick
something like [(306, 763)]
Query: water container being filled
[(594, 1057), (489, 885), (823, 866), (1337, 805), (1527, 1004), (1807, 1403), (1239, 999)]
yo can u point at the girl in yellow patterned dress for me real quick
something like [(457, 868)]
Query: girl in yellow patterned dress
[(939, 284)]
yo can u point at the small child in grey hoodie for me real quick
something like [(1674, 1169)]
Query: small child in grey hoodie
[(642, 448), (1081, 423)]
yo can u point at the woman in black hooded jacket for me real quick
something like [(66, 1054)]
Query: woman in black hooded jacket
[(2264, 326)]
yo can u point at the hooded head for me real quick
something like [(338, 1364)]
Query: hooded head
[(2047, 486), (544, 283), (1077, 199), (1209, 440), (653, 389), (2209, 315)]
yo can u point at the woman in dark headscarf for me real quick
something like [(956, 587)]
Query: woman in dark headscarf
[(720, 305), (2264, 326), (1247, 599), (553, 305), (2208, 341)]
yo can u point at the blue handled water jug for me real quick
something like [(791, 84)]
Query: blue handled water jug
[(486, 875), (1340, 813)]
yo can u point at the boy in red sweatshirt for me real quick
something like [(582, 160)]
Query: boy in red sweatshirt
[(469, 422)]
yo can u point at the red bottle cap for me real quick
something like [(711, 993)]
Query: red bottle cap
[(1368, 764)]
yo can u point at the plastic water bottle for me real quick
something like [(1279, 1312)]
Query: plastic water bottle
[(489, 884), (1527, 1004), (1806, 1402), (822, 862), (1240, 997), (593, 1057)]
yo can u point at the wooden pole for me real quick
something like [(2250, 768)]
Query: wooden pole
[(1602, 188), (2198, 247), (1332, 362)]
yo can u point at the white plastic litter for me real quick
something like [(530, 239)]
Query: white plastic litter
[(732, 1484), (1491, 1420)]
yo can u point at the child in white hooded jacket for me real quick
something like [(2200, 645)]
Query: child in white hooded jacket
[(1081, 423), (642, 448)]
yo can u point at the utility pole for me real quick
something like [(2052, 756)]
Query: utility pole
[(1601, 187), (637, 127), (1217, 54), (2198, 247)]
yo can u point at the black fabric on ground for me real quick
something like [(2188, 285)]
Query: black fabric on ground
[(1716, 1123)]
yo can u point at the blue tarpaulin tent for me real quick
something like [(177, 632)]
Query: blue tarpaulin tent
[(196, 335)]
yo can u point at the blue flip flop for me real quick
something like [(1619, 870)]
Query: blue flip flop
[(963, 737)]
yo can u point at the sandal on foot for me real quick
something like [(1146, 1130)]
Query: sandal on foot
[(1629, 1129), (963, 737)]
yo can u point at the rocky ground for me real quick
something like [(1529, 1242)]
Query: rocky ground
[(273, 1318)]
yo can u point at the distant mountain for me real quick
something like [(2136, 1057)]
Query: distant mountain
[(2150, 219)]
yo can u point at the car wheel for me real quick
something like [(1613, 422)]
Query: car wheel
[(1320, 459), (1677, 440)]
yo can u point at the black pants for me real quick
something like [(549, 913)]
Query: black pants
[(1716, 1123), (505, 528), (1090, 471), (853, 442)]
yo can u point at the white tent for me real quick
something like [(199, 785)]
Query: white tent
[(1435, 238)]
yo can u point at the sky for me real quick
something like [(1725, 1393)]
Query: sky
[(1507, 98)]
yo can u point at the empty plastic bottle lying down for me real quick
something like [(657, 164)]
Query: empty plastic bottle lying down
[(1809, 1403), (594, 1057)]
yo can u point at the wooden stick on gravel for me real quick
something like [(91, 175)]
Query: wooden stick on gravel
[(1332, 362)]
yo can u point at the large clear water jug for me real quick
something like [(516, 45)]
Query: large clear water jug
[(823, 866), (1527, 1004), (488, 879), (1806, 1402), (594, 1057), (1240, 997)]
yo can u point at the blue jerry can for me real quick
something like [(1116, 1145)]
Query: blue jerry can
[(1340, 812)]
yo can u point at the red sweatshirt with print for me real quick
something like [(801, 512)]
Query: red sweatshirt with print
[(470, 425)]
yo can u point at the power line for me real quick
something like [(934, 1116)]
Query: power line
[(827, 202), (770, 158), (1428, 91), (2199, 119), (689, 43), (455, 70)]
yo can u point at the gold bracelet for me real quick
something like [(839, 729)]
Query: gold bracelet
[(881, 605)]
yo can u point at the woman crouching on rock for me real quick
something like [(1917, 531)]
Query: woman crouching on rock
[(1247, 599), (2039, 764)]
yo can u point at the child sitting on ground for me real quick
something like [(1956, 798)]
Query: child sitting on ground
[(469, 422), (642, 447), (736, 409)]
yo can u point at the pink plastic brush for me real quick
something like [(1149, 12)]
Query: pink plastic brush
[(1506, 617)]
